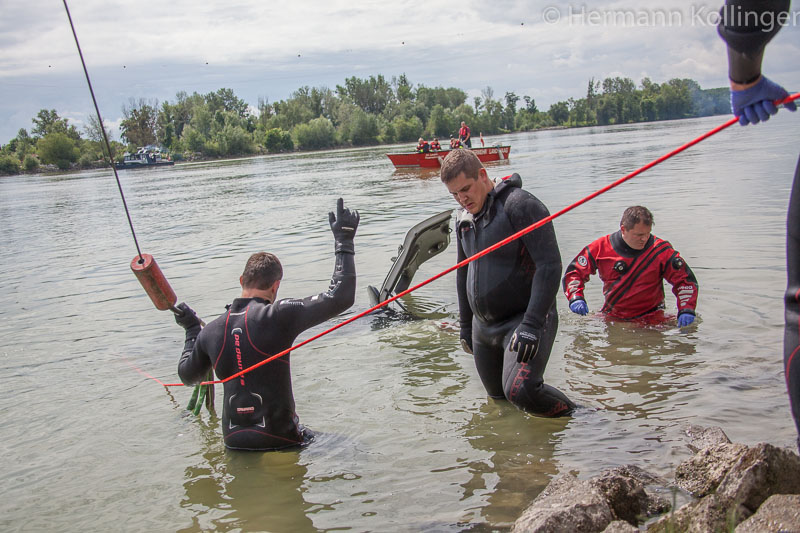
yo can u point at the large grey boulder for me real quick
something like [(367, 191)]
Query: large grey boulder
[(702, 437), (733, 480), (620, 526), (743, 488), (701, 516), (569, 504), (566, 504), (763, 470), (701, 474), (780, 512)]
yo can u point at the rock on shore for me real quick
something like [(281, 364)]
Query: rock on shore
[(732, 487)]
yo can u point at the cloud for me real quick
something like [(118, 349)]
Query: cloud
[(268, 49)]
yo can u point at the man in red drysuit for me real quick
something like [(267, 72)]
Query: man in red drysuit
[(632, 264)]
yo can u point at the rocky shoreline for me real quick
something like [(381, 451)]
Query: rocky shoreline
[(727, 487)]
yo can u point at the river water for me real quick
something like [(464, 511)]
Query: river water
[(407, 438)]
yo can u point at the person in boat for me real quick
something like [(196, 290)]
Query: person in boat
[(482, 143), (464, 135), (632, 263), (507, 299), (435, 146), (423, 146), (259, 408), (752, 97)]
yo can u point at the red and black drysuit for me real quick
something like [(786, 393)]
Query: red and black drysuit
[(632, 279), (516, 283), (746, 37), (259, 410)]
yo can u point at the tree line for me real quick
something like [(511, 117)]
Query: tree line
[(359, 113)]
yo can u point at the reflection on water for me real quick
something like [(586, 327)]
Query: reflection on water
[(233, 490), (406, 438), (636, 369), (514, 463)]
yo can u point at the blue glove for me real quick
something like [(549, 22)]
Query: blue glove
[(757, 103), (685, 319), (525, 341), (579, 306)]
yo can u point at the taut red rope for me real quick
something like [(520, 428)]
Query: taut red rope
[(494, 247)]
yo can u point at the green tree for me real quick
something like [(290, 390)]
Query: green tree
[(403, 88), (30, 164), (233, 140), (226, 100), (316, 134), (372, 95), (510, 111), (57, 149), (138, 127), (9, 165), (48, 121), (606, 112), (278, 140), (407, 129), (649, 111), (442, 122), (363, 128), (559, 112)]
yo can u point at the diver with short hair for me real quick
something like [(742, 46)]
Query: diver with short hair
[(632, 263), (506, 299), (259, 408)]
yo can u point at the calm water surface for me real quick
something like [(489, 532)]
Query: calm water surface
[(408, 440)]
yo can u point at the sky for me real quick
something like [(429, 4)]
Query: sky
[(548, 50)]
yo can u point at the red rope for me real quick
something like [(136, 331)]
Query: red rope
[(494, 247)]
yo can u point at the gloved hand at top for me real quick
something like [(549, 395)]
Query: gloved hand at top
[(343, 226), (757, 103)]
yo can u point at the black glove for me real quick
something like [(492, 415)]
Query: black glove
[(525, 341), (466, 339), (343, 226), (188, 318)]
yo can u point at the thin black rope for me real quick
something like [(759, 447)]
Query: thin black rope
[(103, 130)]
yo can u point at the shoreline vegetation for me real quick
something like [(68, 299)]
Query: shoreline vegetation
[(362, 112)]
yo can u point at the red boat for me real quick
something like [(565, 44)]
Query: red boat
[(434, 159)]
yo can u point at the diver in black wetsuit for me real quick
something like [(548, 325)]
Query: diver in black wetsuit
[(259, 410), (747, 26), (506, 299)]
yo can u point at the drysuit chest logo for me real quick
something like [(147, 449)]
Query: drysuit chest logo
[(238, 349)]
